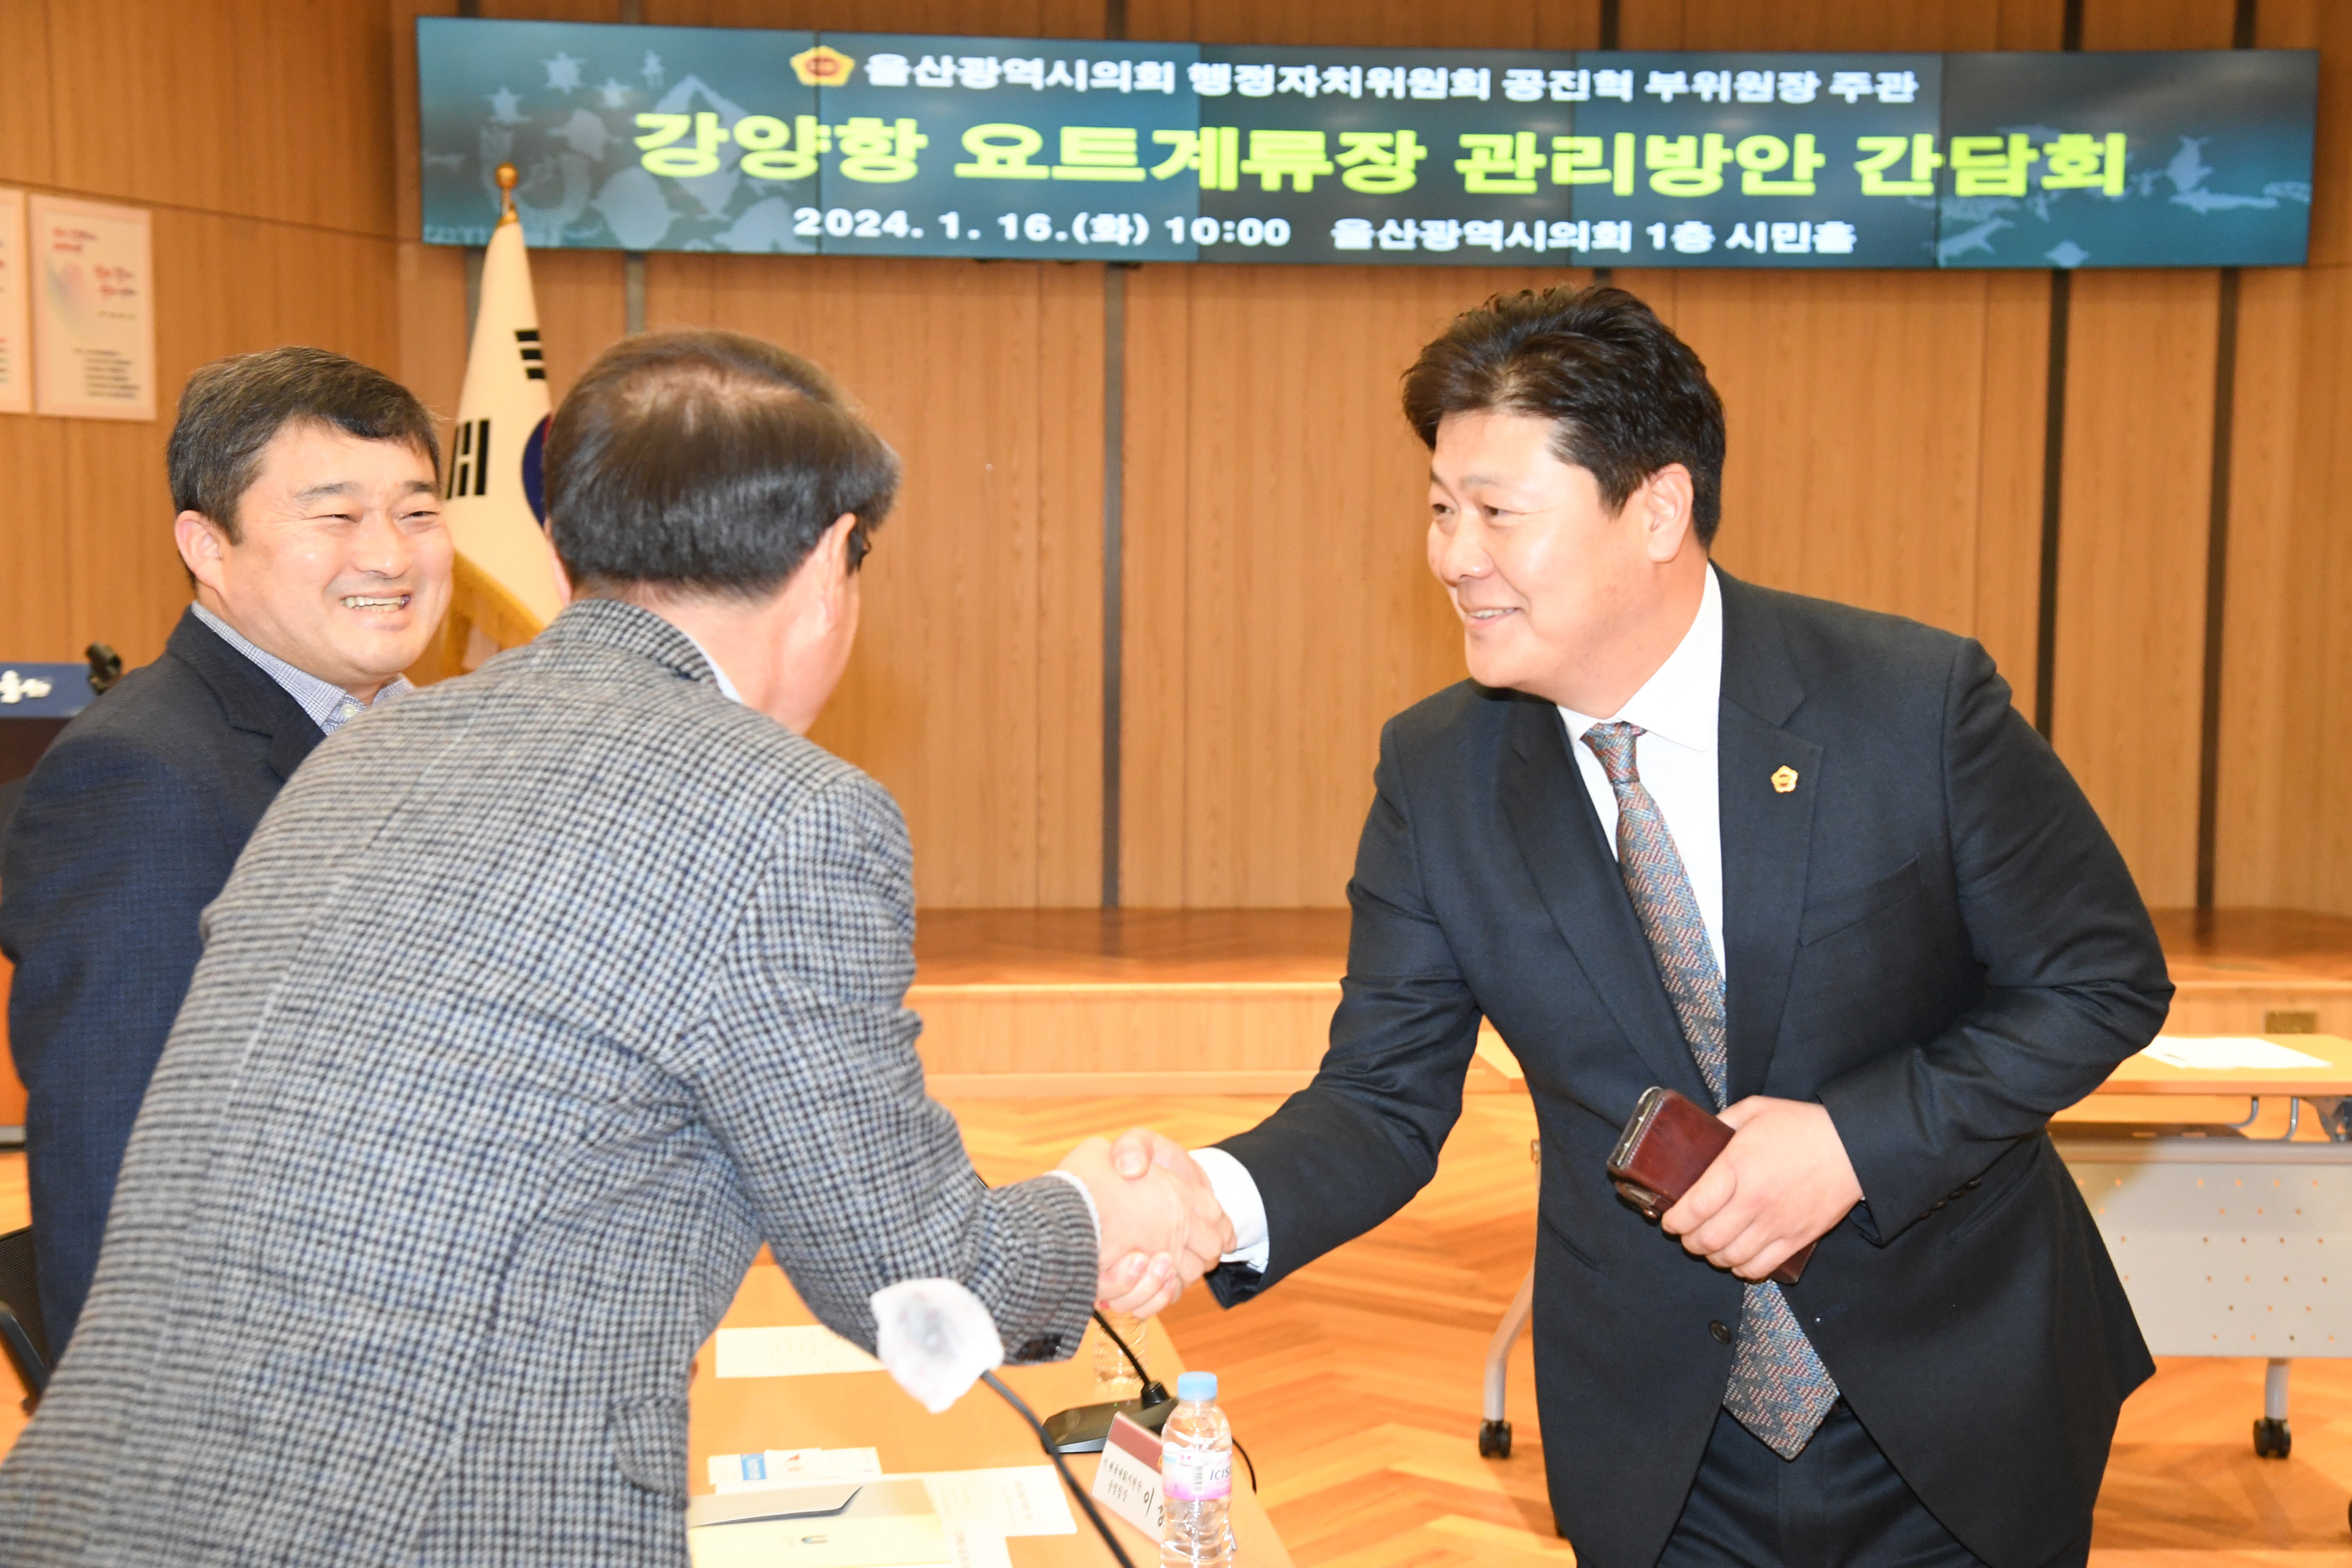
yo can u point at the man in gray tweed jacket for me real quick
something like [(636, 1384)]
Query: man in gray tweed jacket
[(538, 1002)]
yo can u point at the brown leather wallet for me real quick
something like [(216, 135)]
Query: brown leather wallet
[(1664, 1149)]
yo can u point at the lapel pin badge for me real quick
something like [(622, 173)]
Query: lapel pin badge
[(1784, 780)]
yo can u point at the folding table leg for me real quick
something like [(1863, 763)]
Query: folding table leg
[(1494, 1434), (2272, 1438)]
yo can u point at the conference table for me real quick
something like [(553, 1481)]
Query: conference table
[(867, 1409), (2222, 1238)]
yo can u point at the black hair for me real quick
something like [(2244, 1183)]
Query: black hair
[(232, 409), (1625, 395), (709, 462)]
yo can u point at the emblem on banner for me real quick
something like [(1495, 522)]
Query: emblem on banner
[(823, 67)]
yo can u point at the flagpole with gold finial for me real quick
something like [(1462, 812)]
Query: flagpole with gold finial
[(503, 582)]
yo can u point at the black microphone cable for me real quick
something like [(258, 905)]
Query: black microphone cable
[(1102, 1526)]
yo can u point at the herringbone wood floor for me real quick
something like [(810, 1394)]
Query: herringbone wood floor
[(1356, 1384)]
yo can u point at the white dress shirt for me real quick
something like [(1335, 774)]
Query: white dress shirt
[(1677, 712), (726, 687), (328, 705)]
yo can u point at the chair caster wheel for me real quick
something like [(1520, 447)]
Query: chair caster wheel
[(2272, 1439), (1495, 1440)]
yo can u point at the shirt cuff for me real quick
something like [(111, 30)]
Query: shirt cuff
[(1237, 1194), (1093, 1212)]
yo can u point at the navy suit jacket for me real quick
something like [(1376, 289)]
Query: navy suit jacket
[(124, 832), (1930, 934)]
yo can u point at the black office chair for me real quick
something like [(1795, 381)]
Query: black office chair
[(22, 1336)]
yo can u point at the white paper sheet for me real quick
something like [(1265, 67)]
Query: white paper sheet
[(798, 1352), (1022, 1500), (2228, 1053), (980, 1548), (791, 1467)]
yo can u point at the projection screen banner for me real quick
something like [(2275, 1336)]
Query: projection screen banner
[(636, 137)]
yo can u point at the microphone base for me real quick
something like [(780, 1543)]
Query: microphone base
[(1083, 1430)]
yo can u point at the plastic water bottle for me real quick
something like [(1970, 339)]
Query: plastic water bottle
[(1113, 1373), (1196, 1478)]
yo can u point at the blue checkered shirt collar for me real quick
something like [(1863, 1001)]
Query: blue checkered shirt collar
[(328, 705)]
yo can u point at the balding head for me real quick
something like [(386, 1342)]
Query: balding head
[(706, 463)]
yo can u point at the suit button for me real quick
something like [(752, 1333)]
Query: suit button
[(1722, 1334), (1972, 1183), (1941, 1202)]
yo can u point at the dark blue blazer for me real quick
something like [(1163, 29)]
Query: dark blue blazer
[(1930, 934), (124, 832)]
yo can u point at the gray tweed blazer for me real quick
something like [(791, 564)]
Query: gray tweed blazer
[(539, 1001)]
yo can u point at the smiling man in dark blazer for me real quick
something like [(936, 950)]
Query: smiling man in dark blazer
[(1797, 861), (310, 525)]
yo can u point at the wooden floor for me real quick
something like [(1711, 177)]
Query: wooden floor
[(1355, 1385)]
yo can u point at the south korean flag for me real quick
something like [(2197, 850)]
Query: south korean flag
[(495, 499)]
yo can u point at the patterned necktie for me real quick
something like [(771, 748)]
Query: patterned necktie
[(1779, 1389)]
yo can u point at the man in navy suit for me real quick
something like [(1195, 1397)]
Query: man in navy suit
[(1808, 867), (310, 521)]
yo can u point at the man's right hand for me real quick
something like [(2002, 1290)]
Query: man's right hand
[(1161, 1228)]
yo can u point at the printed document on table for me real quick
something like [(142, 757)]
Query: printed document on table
[(1022, 1499), (2228, 1053), (978, 1549), (799, 1352)]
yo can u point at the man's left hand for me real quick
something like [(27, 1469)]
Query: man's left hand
[(1784, 1180)]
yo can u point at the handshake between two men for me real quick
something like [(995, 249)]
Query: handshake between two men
[(1162, 1226), (1784, 1181)]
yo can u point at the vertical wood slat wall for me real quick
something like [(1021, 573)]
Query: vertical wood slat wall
[(1885, 440)]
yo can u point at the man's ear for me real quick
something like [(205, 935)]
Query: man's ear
[(1667, 498), (832, 560), (202, 548)]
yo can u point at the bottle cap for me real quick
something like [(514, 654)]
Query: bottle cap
[(1196, 1385)]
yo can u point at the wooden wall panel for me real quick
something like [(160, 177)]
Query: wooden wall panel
[(2285, 823), (257, 108), (2009, 536), (2277, 614), (27, 148), (2131, 581), (975, 690), (1155, 673), (1275, 524), (1927, 25), (2158, 24), (1006, 18), (34, 620), (1853, 472), (1401, 23)]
